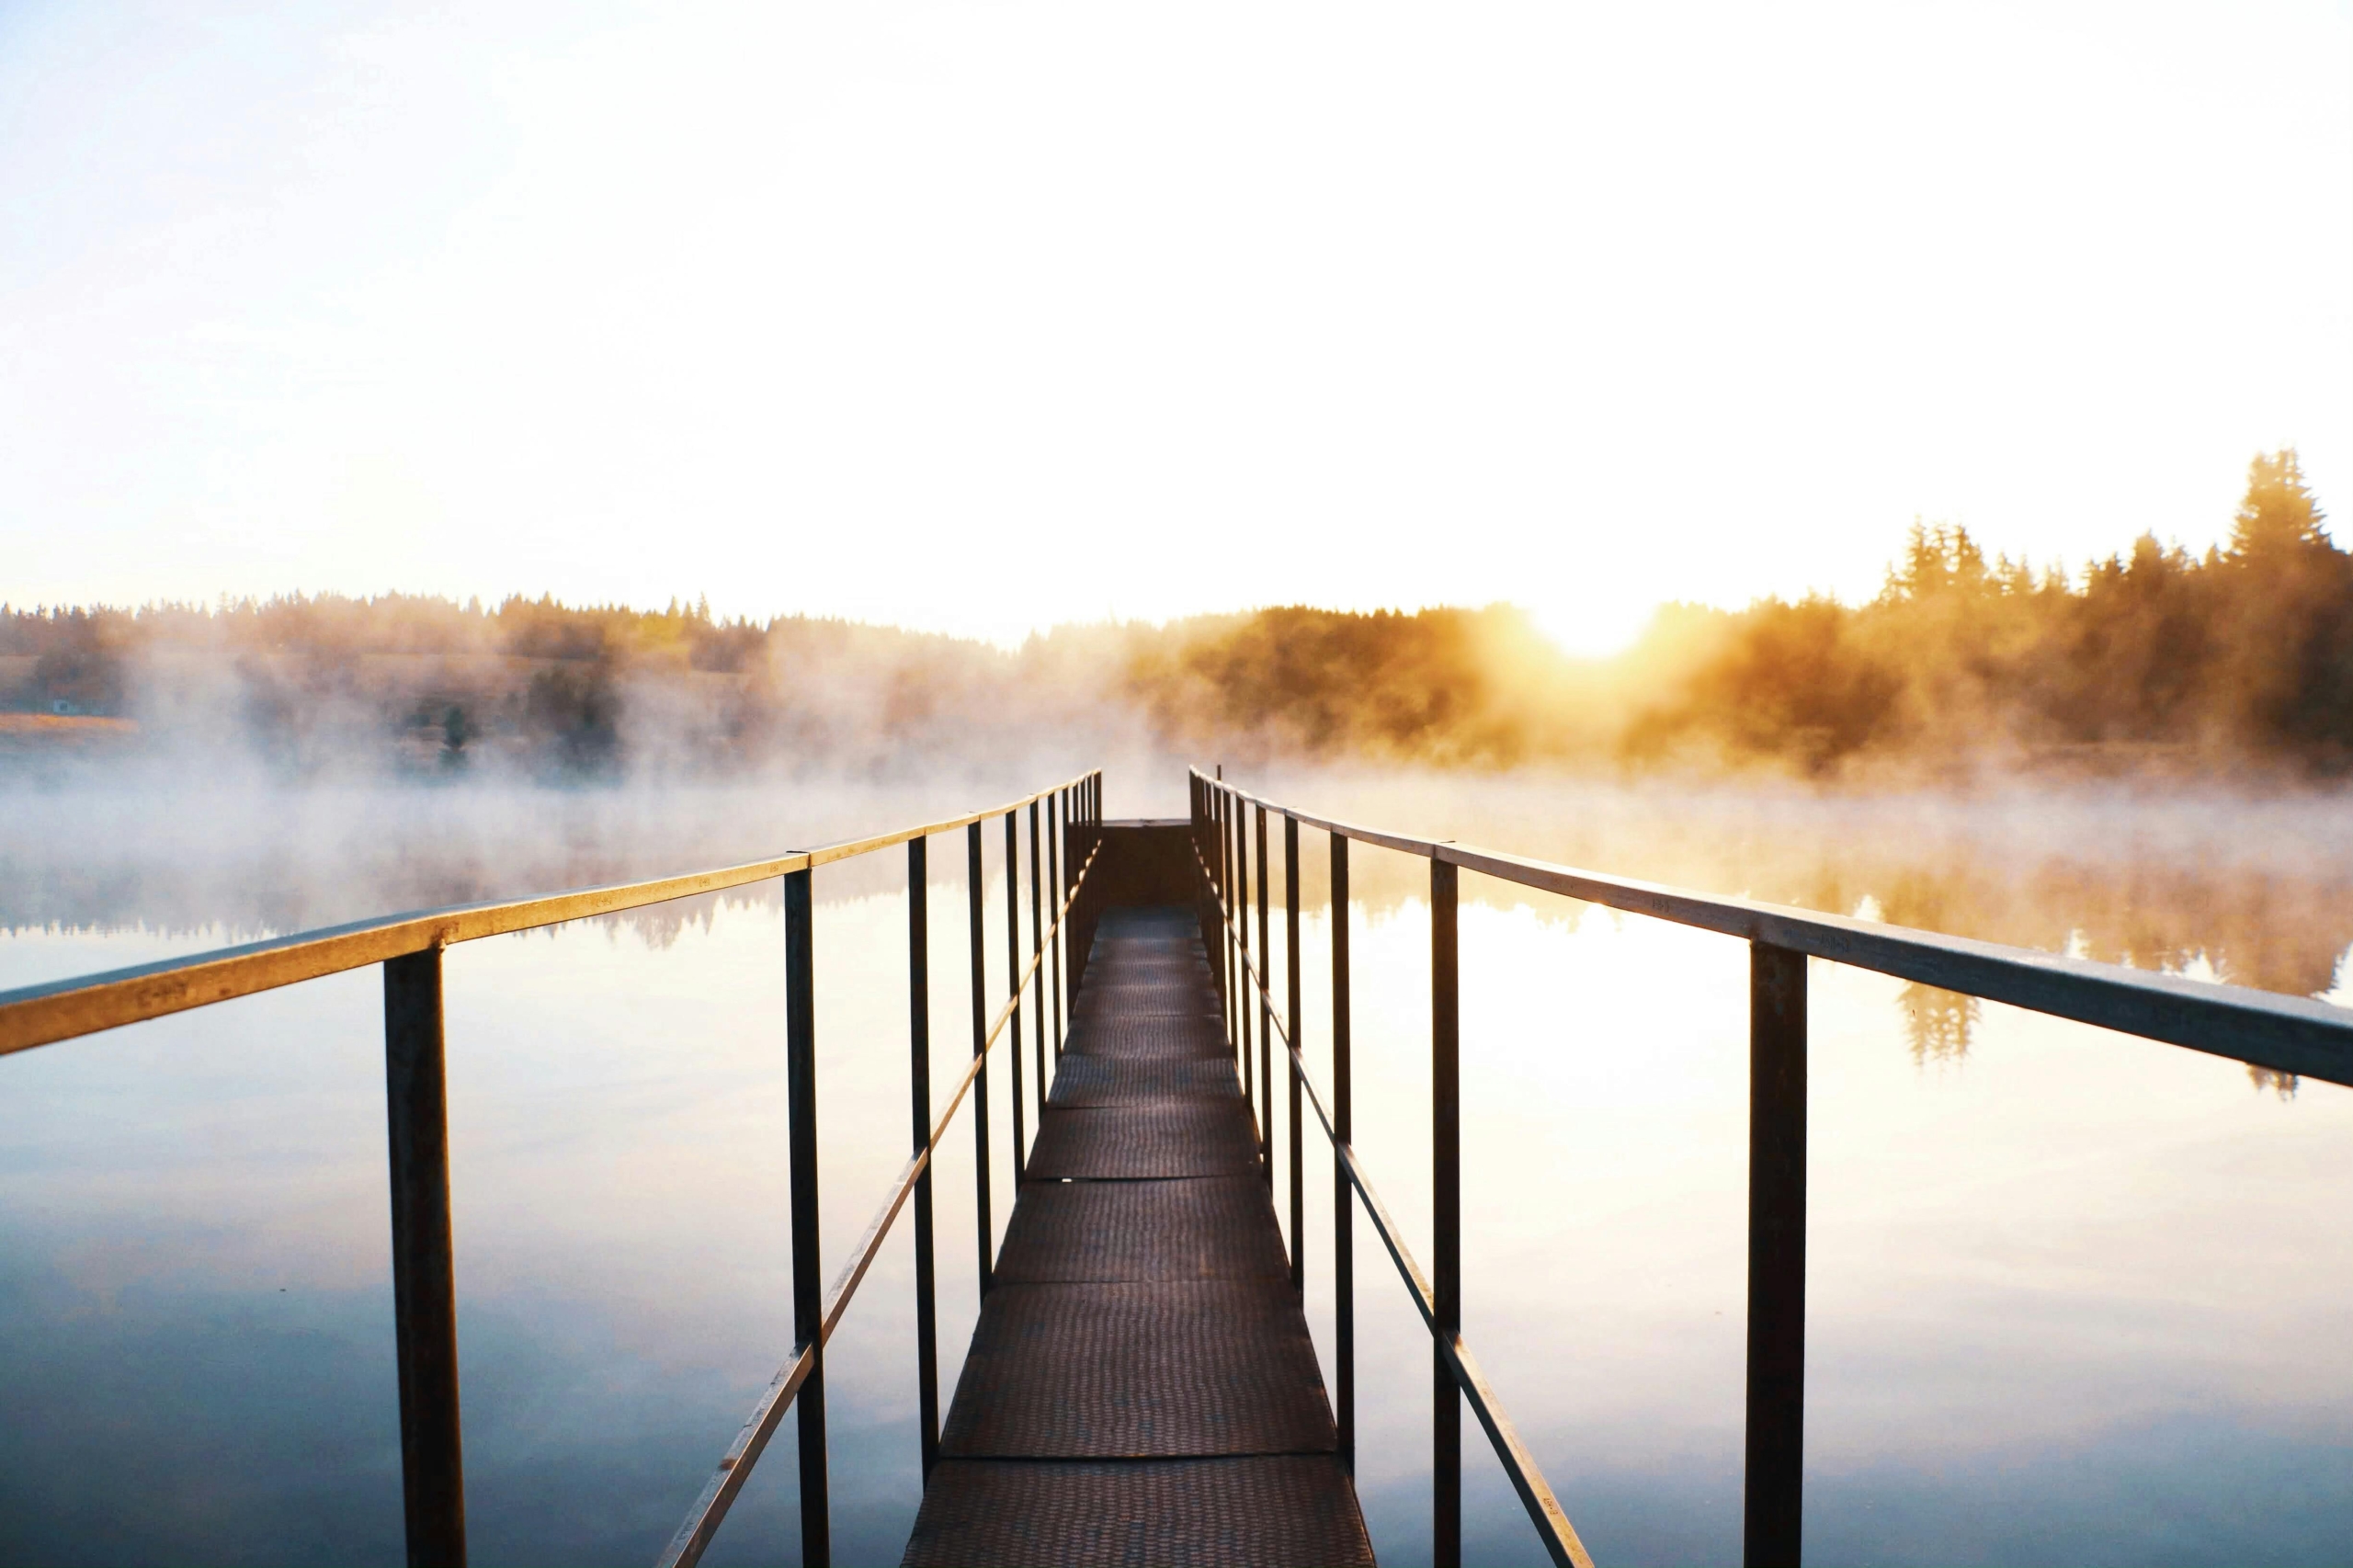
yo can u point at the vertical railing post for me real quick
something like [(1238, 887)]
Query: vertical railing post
[(1298, 1045), (1200, 849), (1193, 838), (1063, 840), (1225, 927), (1213, 930), (1054, 879), (919, 1106), (1242, 974), (1013, 985), (1236, 1030), (1212, 923), (425, 1281), (979, 1046), (1445, 1249), (1224, 921), (1082, 930), (808, 1257), (1343, 1212), (1042, 979), (1094, 900), (1066, 952), (1773, 1505), (1266, 1012)]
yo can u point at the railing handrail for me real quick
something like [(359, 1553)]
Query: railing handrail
[(2263, 1028), (1544, 1510), (710, 1510), (409, 947), (2284, 1033), (64, 1009)]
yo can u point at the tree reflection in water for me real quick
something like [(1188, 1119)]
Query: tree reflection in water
[(1936, 1023)]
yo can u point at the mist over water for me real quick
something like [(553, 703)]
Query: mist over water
[(2072, 1296), (255, 855), (2252, 888)]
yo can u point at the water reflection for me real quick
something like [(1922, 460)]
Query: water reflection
[(2081, 1301), (1936, 1023), (2284, 1084), (2256, 892), (262, 861), (2260, 890)]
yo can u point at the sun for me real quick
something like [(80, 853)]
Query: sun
[(1592, 629)]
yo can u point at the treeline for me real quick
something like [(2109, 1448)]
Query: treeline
[(2245, 653), (2154, 657), (328, 682), (85, 651), (1452, 687)]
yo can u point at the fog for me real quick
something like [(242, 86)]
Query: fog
[(2153, 666), (271, 859), (2254, 888)]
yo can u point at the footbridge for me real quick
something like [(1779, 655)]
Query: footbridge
[(1141, 1387)]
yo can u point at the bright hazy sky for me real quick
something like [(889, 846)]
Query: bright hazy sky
[(984, 316)]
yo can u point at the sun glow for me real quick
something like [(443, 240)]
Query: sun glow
[(1593, 629), (876, 311)]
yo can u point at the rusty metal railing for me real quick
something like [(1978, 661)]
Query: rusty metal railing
[(2285, 1034), (424, 1277)]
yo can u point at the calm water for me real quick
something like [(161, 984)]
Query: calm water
[(2073, 1297)]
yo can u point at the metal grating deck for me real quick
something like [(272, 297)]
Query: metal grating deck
[(1281, 1508), (1117, 1232), (1141, 1388)]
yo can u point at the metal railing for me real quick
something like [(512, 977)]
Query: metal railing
[(424, 1277), (2285, 1034)]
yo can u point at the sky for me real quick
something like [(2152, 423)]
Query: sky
[(983, 317)]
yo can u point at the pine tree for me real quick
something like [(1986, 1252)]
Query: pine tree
[(2279, 518)]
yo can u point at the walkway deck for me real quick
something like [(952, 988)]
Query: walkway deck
[(1141, 1388)]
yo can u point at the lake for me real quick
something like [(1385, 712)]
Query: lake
[(2072, 1296)]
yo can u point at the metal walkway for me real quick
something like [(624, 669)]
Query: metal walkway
[(1141, 1388)]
